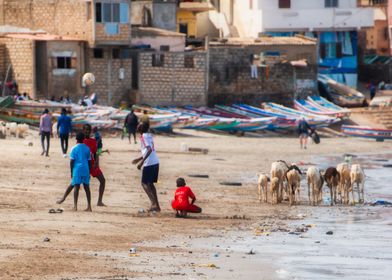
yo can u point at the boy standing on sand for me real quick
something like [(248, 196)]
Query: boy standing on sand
[(181, 200), (80, 171), (150, 163), (95, 171)]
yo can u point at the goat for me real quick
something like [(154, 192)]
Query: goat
[(332, 178), (262, 185), (315, 182), (357, 176), (275, 184), (344, 182), (293, 177), (278, 170)]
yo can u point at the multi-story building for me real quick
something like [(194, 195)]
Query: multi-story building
[(61, 40), (334, 22), (376, 39)]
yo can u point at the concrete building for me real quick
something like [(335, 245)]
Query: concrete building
[(80, 36), (376, 38), (334, 22)]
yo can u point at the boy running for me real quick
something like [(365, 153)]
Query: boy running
[(80, 171), (181, 200)]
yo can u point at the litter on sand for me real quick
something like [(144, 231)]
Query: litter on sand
[(230, 183)]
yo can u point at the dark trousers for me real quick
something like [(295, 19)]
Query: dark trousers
[(64, 142), (46, 135)]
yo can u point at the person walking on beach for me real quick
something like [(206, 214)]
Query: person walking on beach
[(64, 128), (80, 172), (181, 200), (145, 118), (303, 132), (150, 163), (130, 123), (95, 170), (45, 130)]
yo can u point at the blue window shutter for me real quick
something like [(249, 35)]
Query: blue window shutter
[(124, 13)]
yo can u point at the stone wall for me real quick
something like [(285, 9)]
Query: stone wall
[(123, 36), (180, 80), (20, 53), (230, 76), (109, 87)]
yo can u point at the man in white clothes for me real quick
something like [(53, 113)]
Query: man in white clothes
[(150, 163)]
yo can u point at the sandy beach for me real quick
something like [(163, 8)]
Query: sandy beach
[(213, 245)]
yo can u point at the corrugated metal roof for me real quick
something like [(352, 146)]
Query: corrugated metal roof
[(267, 41)]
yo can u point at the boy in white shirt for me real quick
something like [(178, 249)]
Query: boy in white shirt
[(150, 163)]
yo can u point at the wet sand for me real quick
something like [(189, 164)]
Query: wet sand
[(95, 245)]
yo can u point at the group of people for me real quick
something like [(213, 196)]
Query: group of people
[(84, 161)]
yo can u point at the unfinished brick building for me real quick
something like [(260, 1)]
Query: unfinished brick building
[(49, 45)]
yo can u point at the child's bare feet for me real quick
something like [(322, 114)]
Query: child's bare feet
[(100, 203), (75, 208), (59, 201), (88, 209)]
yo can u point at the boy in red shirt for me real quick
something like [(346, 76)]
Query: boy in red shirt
[(181, 200)]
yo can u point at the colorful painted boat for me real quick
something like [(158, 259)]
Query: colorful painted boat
[(315, 108), (324, 104), (367, 132)]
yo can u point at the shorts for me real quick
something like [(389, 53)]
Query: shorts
[(95, 172), (131, 129), (303, 135), (150, 174), (78, 180)]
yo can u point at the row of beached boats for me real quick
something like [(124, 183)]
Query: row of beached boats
[(237, 117), (317, 111)]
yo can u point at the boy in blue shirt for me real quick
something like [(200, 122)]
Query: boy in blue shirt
[(80, 170), (64, 127)]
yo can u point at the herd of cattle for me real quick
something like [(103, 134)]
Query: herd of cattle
[(286, 180)]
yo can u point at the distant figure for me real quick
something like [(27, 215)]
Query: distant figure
[(145, 118), (253, 60), (181, 200), (26, 96), (45, 130), (88, 102), (98, 138), (303, 132), (80, 171), (131, 122), (64, 128), (68, 100), (372, 90), (94, 98), (150, 163), (53, 98)]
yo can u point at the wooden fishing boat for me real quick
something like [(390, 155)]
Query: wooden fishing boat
[(367, 132), (341, 94)]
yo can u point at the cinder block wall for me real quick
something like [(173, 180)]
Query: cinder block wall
[(20, 53), (177, 81), (110, 89), (230, 76)]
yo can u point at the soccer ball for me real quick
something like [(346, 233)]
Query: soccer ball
[(88, 79)]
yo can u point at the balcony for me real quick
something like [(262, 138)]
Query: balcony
[(196, 5)]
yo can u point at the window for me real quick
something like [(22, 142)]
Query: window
[(164, 48), (331, 3), (115, 53), (111, 12), (126, 54), (189, 61), (98, 53), (158, 60), (63, 62), (331, 50), (284, 4)]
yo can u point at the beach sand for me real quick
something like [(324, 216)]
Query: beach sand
[(96, 245)]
